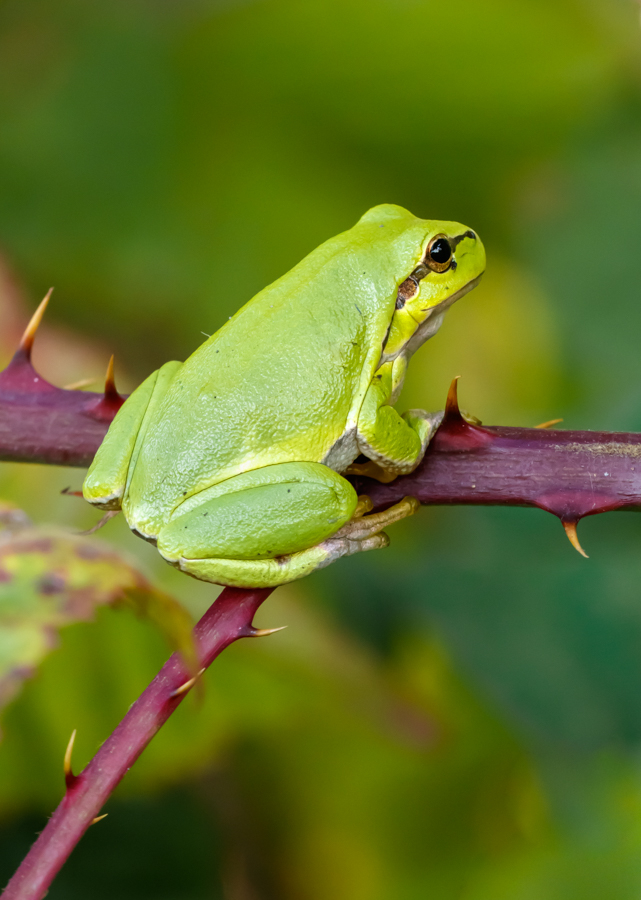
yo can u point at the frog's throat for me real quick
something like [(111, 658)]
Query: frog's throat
[(430, 324)]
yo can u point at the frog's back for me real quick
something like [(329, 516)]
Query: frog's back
[(281, 381)]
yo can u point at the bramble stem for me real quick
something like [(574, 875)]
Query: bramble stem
[(568, 473), (228, 619)]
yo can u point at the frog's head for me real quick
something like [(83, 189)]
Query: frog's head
[(449, 262)]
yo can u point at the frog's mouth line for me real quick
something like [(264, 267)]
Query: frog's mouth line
[(449, 301)]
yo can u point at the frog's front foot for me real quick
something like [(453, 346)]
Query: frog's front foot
[(384, 467)]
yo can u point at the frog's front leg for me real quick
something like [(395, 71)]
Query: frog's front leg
[(395, 444), (271, 526)]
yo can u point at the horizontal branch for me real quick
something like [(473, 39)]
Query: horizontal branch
[(568, 473)]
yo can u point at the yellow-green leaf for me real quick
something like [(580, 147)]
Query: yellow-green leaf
[(50, 578)]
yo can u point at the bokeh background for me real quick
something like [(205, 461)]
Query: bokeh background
[(458, 717)]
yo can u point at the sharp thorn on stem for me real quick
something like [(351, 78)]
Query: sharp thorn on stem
[(110, 382), (29, 335), (99, 818), (549, 423), (187, 686), (111, 401), (78, 385), (70, 778), (263, 632), (570, 530), (107, 516), (69, 493), (451, 404)]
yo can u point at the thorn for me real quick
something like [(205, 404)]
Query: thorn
[(186, 686), (69, 493), (30, 331), (263, 632), (107, 516), (78, 385), (570, 530), (458, 432), (110, 383), (549, 423), (451, 404), (110, 402), (70, 778), (99, 818)]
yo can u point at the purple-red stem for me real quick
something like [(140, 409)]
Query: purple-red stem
[(228, 619)]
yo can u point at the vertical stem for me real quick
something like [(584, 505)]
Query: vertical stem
[(228, 619)]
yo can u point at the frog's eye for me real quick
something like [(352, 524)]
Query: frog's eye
[(438, 255)]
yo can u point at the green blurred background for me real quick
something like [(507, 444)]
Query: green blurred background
[(460, 715)]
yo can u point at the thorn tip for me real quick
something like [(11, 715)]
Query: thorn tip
[(110, 382), (111, 401), (186, 686), (106, 518), (451, 404), (66, 766), (549, 423), (30, 331), (78, 385), (570, 530), (263, 632)]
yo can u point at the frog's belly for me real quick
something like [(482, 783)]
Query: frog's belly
[(343, 451)]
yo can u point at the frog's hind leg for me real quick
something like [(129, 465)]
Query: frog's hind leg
[(272, 526), (253, 573)]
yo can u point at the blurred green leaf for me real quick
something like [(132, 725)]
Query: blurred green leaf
[(50, 579)]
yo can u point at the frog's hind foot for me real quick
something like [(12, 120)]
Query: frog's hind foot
[(363, 506), (361, 526), (336, 547), (365, 532)]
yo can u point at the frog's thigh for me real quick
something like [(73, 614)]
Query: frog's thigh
[(274, 511), (359, 534)]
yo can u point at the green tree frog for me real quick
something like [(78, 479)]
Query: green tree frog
[(232, 462)]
